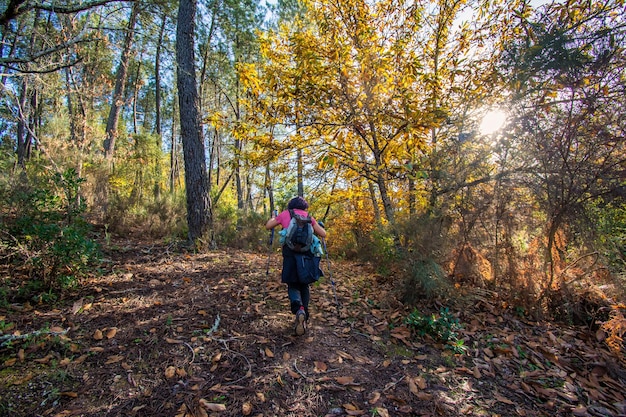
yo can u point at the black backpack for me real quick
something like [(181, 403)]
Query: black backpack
[(299, 235)]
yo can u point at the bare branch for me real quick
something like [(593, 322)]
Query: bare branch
[(16, 8), (9, 61)]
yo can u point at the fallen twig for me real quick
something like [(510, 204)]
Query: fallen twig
[(295, 366), (8, 338)]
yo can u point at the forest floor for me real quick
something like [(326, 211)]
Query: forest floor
[(160, 332)]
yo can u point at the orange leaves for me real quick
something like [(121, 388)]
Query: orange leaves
[(402, 333), (417, 385), (320, 367), (109, 333), (615, 327), (345, 380), (216, 407)]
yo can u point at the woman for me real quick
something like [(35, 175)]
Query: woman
[(299, 294)]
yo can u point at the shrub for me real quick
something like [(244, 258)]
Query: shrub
[(442, 327), (424, 279), (46, 233)]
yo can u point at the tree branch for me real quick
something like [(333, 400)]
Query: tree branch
[(16, 8)]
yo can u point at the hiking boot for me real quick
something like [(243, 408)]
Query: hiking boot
[(300, 322)]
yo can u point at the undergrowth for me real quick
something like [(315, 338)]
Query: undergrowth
[(45, 236), (443, 327)]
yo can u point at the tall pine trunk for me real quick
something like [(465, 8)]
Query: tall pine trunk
[(199, 216), (120, 86)]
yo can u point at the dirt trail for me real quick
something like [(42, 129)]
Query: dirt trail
[(164, 333)]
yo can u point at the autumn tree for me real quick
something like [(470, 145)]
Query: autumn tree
[(565, 73), (379, 90)]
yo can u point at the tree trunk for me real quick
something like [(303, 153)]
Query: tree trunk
[(370, 185), (300, 174), (268, 187), (380, 178), (136, 95), (120, 86), (157, 78), (77, 117), (70, 107), (199, 216), (22, 124), (174, 166), (238, 182)]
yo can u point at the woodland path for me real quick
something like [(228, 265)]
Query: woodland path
[(167, 333)]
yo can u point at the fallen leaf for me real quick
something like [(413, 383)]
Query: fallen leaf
[(78, 304), (212, 406), (173, 341), (344, 355), (70, 394), (502, 399), (97, 335), (182, 411), (246, 409), (345, 380), (170, 371), (424, 396), (293, 374), (374, 397), (401, 333), (382, 412), (45, 359), (114, 359), (413, 386), (24, 379), (320, 367), (269, 353)]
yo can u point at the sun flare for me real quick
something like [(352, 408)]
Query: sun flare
[(492, 122)]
